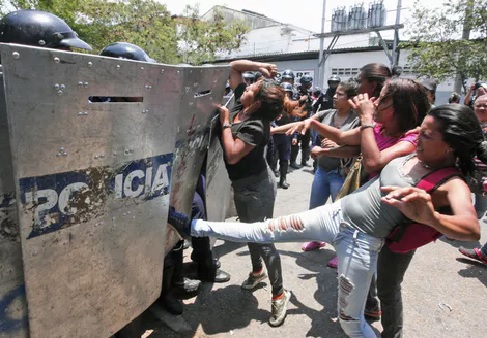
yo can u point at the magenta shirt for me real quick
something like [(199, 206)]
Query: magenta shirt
[(384, 142)]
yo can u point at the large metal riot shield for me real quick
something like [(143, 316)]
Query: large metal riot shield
[(219, 199), (204, 87), (13, 306), (92, 143)]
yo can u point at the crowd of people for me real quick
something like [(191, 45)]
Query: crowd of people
[(387, 123), (402, 140)]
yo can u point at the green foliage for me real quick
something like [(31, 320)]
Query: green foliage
[(436, 45), (201, 40), (146, 23)]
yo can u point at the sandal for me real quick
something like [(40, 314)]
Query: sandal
[(308, 246), (473, 254), (333, 263)]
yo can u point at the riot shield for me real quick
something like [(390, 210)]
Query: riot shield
[(219, 198), (204, 88), (13, 306), (92, 184)]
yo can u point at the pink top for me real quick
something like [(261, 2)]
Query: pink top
[(384, 142)]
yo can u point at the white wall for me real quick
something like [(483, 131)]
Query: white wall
[(358, 60)]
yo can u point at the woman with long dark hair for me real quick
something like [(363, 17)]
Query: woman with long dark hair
[(357, 225), (245, 132)]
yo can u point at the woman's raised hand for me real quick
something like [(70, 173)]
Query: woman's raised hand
[(268, 70), (224, 115), (362, 104), (414, 203)]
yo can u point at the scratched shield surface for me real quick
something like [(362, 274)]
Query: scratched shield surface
[(219, 199), (202, 92), (92, 142), (13, 306)]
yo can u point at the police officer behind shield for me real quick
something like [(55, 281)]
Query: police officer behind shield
[(333, 82), (304, 100), (40, 29), (123, 50)]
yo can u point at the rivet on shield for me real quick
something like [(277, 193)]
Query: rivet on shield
[(61, 152), (56, 60), (141, 68), (148, 87), (162, 71), (118, 67), (80, 84), (16, 55), (85, 84), (56, 86), (145, 111), (34, 254), (82, 113), (90, 64)]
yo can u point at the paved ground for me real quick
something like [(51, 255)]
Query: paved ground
[(444, 295)]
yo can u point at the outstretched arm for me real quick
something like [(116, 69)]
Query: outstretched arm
[(418, 205), (239, 66)]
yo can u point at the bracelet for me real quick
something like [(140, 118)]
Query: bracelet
[(365, 126), (226, 125)]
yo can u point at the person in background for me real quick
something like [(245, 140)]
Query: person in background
[(248, 78), (39, 29), (480, 254), (476, 89), (305, 101), (454, 98), (329, 175), (282, 143), (430, 85), (333, 82)]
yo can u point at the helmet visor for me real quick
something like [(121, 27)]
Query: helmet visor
[(70, 39)]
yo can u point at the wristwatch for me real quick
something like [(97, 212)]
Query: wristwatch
[(368, 125), (226, 125)]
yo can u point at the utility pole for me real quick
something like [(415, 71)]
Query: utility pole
[(395, 49), (320, 77)]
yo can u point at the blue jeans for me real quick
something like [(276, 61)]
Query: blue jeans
[(480, 205), (324, 185), (356, 251)]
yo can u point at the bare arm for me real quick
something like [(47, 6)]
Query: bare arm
[(235, 149), (418, 205), (341, 152), (349, 137), (239, 66), (468, 96), (284, 128), (374, 159)]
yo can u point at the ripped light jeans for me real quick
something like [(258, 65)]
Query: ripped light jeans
[(357, 253)]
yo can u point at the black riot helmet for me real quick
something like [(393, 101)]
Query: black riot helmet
[(287, 74), (248, 76), (334, 78), (306, 79), (38, 28), (287, 87), (125, 50)]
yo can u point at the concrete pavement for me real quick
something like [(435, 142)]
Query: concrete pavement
[(444, 294)]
